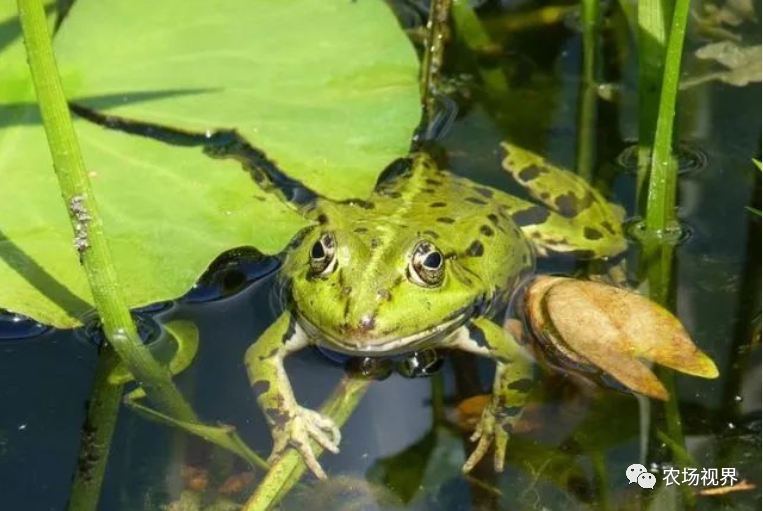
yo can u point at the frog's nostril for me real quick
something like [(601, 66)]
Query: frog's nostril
[(367, 322)]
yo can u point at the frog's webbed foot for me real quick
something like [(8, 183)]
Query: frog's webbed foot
[(493, 428), (298, 429)]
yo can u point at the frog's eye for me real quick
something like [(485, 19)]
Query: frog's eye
[(427, 266), (322, 260)]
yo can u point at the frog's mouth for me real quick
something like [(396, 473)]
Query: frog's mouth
[(386, 345)]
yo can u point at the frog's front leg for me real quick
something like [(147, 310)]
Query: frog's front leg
[(290, 424), (511, 386)]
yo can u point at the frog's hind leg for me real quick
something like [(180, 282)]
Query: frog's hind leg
[(511, 387), (574, 217)]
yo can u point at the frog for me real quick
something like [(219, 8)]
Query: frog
[(430, 260)]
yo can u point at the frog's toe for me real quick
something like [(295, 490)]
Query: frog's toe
[(308, 456), (322, 429), (299, 440), (489, 431), (501, 441), (485, 439), (304, 426), (477, 432)]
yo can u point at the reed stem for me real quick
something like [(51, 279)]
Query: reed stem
[(100, 421), (587, 104), (434, 49), (657, 162), (652, 34), (89, 238), (287, 470), (90, 242), (471, 31), (661, 200)]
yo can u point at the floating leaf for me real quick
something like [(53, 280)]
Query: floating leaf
[(167, 212), (327, 89), (611, 329), (743, 64)]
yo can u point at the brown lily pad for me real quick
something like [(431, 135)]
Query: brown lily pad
[(613, 330)]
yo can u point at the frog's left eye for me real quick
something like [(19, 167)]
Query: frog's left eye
[(322, 255), (427, 265)]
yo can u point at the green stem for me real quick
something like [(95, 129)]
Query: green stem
[(434, 49), (90, 242), (89, 238), (661, 201), (588, 97), (675, 435), (287, 470), (97, 431), (475, 37), (661, 204), (651, 47), (599, 463)]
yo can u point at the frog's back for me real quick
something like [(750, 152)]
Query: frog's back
[(461, 218)]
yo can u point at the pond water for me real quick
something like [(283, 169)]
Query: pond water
[(398, 450)]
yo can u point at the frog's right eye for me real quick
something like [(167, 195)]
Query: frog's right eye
[(322, 255)]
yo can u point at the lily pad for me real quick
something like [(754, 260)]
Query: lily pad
[(168, 211), (328, 89)]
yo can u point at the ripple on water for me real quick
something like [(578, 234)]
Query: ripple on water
[(691, 158)]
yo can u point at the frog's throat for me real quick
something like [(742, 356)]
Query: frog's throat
[(388, 346)]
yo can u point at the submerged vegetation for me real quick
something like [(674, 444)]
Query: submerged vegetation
[(327, 124)]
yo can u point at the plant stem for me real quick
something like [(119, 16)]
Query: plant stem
[(663, 176), (587, 104), (651, 47), (287, 470), (434, 48), (659, 160), (97, 431), (89, 239), (473, 34)]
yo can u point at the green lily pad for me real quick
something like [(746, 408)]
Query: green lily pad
[(168, 211), (328, 89)]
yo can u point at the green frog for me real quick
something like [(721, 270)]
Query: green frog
[(429, 261)]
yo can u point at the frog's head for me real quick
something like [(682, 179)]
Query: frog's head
[(360, 295)]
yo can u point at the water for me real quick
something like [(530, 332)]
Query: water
[(579, 439)]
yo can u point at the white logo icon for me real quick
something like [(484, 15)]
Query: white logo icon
[(633, 472), (647, 480)]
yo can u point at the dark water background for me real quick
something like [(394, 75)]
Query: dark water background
[(582, 439)]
